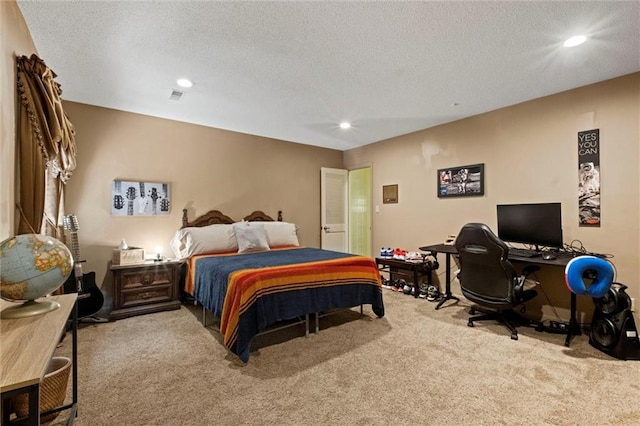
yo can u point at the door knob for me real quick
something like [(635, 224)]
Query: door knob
[(326, 228)]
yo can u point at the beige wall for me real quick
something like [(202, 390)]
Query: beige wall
[(207, 169), (530, 155), (16, 41)]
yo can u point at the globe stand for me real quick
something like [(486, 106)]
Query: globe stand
[(29, 308)]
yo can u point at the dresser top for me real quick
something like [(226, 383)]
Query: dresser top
[(28, 343)]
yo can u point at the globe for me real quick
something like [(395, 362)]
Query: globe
[(32, 266)]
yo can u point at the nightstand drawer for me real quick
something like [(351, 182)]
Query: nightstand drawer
[(146, 295), (145, 277)]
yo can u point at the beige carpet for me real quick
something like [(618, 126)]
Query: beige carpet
[(415, 366)]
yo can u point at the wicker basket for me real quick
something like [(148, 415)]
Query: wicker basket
[(53, 390)]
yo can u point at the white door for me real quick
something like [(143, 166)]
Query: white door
[(333, 209)]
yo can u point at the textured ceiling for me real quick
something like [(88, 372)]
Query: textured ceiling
[(294, 70)]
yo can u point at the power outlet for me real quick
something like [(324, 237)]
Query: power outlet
[(633, 304)]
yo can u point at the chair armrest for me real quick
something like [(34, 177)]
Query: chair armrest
[(526, 271), (530, 269)]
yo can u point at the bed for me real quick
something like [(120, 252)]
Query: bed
[(273, 280)]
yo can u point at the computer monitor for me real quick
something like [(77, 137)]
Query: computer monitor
[(535, 224)]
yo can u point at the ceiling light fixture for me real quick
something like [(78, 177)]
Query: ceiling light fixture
[(345, 125), (183, 82), (575, 41)]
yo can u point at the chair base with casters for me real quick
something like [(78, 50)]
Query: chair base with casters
[(507, 317)]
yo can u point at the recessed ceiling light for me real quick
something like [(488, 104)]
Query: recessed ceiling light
[(345, 125), (183, 82), (575, 41)]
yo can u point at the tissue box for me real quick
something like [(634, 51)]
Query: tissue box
[(130, 256)]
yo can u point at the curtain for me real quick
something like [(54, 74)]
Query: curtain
[(46, 148)]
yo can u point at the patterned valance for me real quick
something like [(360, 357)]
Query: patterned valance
[(50, 127), (46, 142)]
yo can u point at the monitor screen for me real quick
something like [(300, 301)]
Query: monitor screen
[(535, 224)]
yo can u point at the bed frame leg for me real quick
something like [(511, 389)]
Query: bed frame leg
[(306, 324), (204, 317), (317, 323), (361, 310)]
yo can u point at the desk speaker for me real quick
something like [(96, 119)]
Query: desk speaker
[(613, 329)]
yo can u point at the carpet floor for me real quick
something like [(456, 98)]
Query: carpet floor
[(415, 366)]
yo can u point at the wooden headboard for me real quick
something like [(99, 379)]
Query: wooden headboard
[(260, 216), (213, 217)]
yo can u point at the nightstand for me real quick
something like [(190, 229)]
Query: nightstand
[(144, 288)]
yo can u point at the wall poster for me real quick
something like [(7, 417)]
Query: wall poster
[(589, 177), (461, 181), (139, 198)]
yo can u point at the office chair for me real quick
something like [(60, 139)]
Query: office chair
[(488, 279)]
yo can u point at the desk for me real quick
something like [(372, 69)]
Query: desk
[(27, 346), (561, 260)]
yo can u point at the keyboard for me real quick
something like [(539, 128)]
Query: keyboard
[(523, 252)]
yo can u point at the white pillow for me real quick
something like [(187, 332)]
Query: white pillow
[(281, 234), (206, 239), (251, 237)]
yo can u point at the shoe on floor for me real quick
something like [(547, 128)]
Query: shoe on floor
[(433, 293), (386, 283), (398, 285), (423, 290)]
